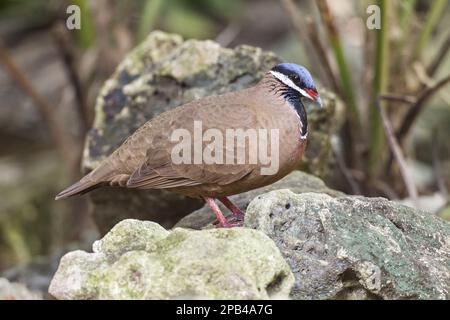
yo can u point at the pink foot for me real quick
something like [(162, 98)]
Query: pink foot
[(238, 213), (223, 223)]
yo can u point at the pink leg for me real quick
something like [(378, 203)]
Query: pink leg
[(238, 213), (223, 223)]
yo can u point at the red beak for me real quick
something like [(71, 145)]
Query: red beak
[(312, 93), (314, 96)]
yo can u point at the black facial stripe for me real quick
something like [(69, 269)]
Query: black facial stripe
[(300, 108), (293, 98)]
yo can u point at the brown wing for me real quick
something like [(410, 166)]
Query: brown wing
[(158, 169)]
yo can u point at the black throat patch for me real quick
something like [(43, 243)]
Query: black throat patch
[(294, 99)]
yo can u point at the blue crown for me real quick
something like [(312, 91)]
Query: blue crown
[(299, 74)]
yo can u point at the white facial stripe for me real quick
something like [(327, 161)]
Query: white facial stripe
[(283, 78)]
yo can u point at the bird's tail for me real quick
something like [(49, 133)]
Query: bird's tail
[(86, 184)]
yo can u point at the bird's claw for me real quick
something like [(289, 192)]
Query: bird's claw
[(232, 223)]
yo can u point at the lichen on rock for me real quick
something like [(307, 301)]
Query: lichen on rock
[(350, 247), (337, 247), (141, 260), (346, 247)]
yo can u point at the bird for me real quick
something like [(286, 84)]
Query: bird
[(273, 106)]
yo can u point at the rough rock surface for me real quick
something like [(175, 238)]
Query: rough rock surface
[(351, 247), (141, 260), (337, 246), (16, 291), (165, 72)]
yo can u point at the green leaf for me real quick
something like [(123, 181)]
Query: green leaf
[(381, 84), (430, 23), (86, 35), (149, 16)]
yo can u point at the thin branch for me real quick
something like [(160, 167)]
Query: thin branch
[(297, 21), (295, 17), (64, 143), (385, 188), (67, 57), (229, 34), (437, 168), (426, 81), (398, 98), (440, 57), (417, 107), (379, 185), (345, 171), (345, 74), (397, 152), (313, 35), (409, 100)]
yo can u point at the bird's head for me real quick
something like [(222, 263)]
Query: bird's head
[(297, 78)]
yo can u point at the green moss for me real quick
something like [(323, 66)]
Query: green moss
[(390, 250)]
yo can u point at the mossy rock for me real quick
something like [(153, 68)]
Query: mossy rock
[(141, 260)]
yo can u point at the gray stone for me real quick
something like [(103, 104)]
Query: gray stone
[(141, 260), (162, 73), (17, 291), (350, 247)]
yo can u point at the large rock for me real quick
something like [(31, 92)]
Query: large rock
[(337, 246), (350, 247), (165, 72), (346, 247), (141, 260)]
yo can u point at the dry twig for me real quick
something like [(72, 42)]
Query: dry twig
[(65, 50), (304, 38), (417, 107), (397, 152), (437, 169), (345, 171), (313, 35), (228, 35), (440, 57), (399, 98)]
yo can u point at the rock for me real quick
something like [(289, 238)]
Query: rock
[(350, 247), (16, 291), (297, 181), (162, 73), (141, 260), (337, 246)]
